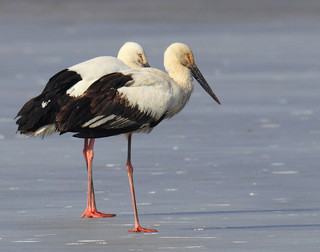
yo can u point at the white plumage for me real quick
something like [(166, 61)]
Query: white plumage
[(93, 69), (130, 55)]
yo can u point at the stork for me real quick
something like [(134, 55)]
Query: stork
[(133, 100), (38, 116)]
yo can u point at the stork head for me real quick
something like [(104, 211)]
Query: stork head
[(133, 55), (179, 57)]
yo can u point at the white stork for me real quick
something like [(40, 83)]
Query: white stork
[(38, 116), (133, 100)]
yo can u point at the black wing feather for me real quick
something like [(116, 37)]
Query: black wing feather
[(33, 115), (62, 81), (102, 99)]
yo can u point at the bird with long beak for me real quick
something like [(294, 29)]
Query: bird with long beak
[(134, 100)]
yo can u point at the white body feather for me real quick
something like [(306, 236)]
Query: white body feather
[(93, 69), (155, 93)]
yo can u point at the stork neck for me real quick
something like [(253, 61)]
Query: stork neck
[(182, 76)]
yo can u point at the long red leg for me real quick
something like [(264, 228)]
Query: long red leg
[(91, 210), (137, 227)]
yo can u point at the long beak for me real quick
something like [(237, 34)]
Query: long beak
[(199, 77)]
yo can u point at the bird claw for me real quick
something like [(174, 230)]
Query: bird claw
[(96, 214), (141, 229)]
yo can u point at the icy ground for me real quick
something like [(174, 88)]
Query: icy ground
[(243, 176)]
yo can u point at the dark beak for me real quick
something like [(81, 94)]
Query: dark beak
[(199, 77), (146, 65)]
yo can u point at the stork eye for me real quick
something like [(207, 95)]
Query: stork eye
[(187, 59)]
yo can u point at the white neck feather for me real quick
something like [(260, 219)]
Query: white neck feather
[(180, 74)]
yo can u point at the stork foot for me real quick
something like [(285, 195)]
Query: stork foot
[(141, 229), (96, 214)]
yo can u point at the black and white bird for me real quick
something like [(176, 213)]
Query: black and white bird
[(38, 116), (133, 100)]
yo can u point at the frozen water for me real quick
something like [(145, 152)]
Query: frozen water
[(243, 176)]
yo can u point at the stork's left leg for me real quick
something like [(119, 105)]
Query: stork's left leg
[(137, 227), (91, 210)]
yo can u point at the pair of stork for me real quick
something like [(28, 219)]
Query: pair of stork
[(107, 96)]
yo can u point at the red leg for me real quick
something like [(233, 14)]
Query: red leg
[(91, 210), (137, 227)]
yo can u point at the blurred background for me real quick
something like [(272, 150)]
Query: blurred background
[(243, 176)]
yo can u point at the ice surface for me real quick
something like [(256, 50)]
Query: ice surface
[(243, 176)]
